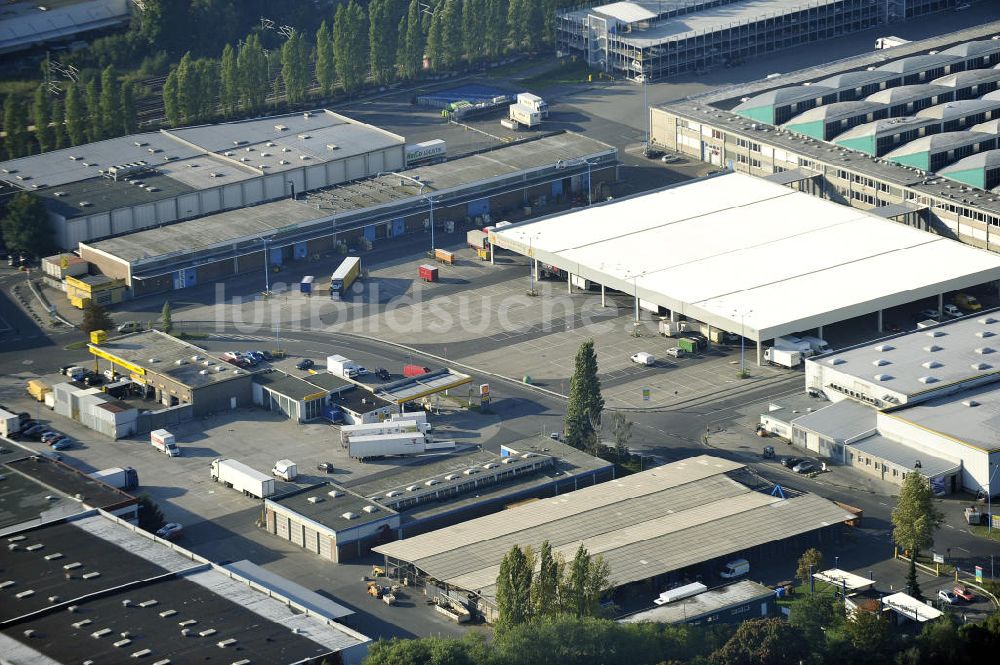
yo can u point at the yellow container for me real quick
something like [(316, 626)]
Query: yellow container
[(38, 389), (98, 336)]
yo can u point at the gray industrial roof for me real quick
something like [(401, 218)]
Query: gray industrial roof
[(919, 63), (123, 581), (988, 159), (223, 229), (165, 354), (626, 12), (988, 127), (858, 79), (25, 24), (327, 381), (841, 421), (644, 525), (904, 456), (703, 604), (290, 386), (978, 48), (96, 195), (937, 143), (885, 126), (927, 359), (969, 77), (958, 109), (907, 93), (835, 111), (971, 418), (328, 504), (787, 95)]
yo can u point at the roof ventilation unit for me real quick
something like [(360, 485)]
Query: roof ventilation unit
[(432, 482), (280, 128), (970, 403), (935, 333), (335, 493), (314, 499), (489, 465), (986, 320), (370, 509), (469, 472), (983, 350), (390, 494), (332, 146), (981, 366), (73, 157), (304, 157), (881, 362), (283, 161), (349, 515), (305, 136), (836, 361), (413, 488), (932, 348), (927, 379), (984, 333), (451, 476), (85, 204), (883, 377), (930, 364)]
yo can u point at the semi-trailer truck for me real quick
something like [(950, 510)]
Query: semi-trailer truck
[(241, 477)]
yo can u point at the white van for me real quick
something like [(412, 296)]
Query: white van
[(735, 568), (643, 358)]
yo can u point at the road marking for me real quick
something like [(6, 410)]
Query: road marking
[(949, 526)]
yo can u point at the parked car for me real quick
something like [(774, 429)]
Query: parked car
[(790, 462), (34, 432), (947, 597), (805, 466), (670, 159), (968, 302), (653, 154), (304, 364), (326, 467), (51, 454), (61, 444), (49, 435), (130, 327), (231, 355), (675, 352), (643, 358), (382, 374), (361, 371), (170, 531), (952, 311), (24, 417), (927, 314), (964, 593)]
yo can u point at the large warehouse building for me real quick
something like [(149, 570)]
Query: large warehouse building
[(907, 132), (24, 25), (466, 192), (91, 588), (651, 39), (717, 509), (142, 181), (741, 254)]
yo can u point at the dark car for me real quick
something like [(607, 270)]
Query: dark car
[(790, 462), (61, 443), (305, 363), (382, 374), (700, 339), (325, 466), (34, 432), (805, 466), (651, 153), (24, 417)]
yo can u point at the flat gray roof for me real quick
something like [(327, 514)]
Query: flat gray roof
[(927, 359), (174, 358), (290, 386), (711, 514), (96, 195), (703, 604), (938, 143), (904, 456), (417, 387), (328, 503), (224, 229), (970, 418), (841, 421)]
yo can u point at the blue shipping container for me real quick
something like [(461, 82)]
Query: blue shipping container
[(306, 285)]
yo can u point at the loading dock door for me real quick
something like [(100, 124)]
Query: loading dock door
[(479, 207), (275, 257), (300, 251), (185, 278), (370, 232), (398, 227), (281, 522)]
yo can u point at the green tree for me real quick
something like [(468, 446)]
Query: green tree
[(382, 38), (150, 516), (188, 90), (59, 139), (763, 642), (809, 563), (450, 47), (41, 115), (533, 24), (412, 60), (26, 226), (495, 31), (583, 411), (208, 84), (816, 613), (295, 67), (474, 29), (514, 590), (326, 73), (95, 317), (92, 97), (915, 518), (75, 112), (588, 579), (229, 92), (868, 639), (15, 123), (171, 109), (545, 586), (252, 65), (621, 434), (130, 117), (350, 46), (549, 8), (435, 41), (110, 104), (166, 321), (517, 14)]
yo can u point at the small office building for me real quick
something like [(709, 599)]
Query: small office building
[(302, 400), (732, 603)]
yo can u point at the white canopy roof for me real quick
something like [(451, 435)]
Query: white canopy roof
[(718, 247), (910, 607)]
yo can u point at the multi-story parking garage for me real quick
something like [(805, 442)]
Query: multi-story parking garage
[(651, 39), (899, 166)]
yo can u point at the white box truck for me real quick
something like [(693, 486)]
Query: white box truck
[(524, 115), (165, 442), (783, 357), (341, 366), (285, 469), (385, 445), (240, 477), (9, 423), (122, 478), (792, 343), (735, 568), (419, 417), (816, 344)]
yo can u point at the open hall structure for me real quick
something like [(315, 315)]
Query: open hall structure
[(717, 509), (749, 256)]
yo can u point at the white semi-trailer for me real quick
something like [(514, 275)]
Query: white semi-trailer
[(241, 477)]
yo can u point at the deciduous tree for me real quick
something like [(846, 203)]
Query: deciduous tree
[(229, 92), (585, 404), (130, 118), (95, 317), (110, 104), (171, 110), (350, 46), (545, 586), (40, 116), (326, 73), (763, 642), (809, 563), (412, 60), (15, 123), (26, 226), (76, 122), (514, 590), (166, 320), (92, 97), (915, 519)]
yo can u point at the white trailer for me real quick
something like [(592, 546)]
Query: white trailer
[(122, 478), (426, 151), (793, 343), (419, 417), (349, 432), (241, 477), (341, 366), (383, 445), (784, 357), (9, 423), (524, 115), (285, 469)]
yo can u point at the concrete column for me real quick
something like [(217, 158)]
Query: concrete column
[(534, 268), (569, 282), (940, 305), (637, 309), (820, 332), (759, 354), (604, 299), (880, 327), (674, 316), (491, 255)]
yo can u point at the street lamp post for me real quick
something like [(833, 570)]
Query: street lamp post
[(989, 498), (267, 269), (743, 341)]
